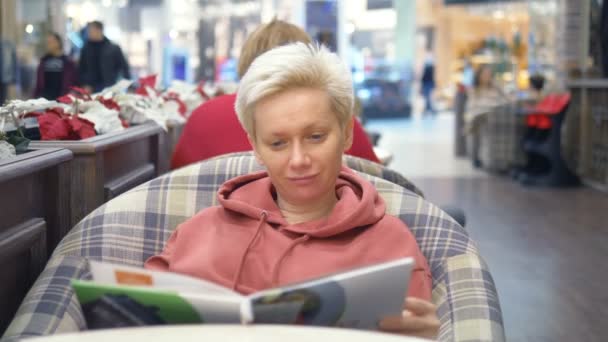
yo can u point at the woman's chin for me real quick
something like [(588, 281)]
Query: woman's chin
[(303, 198)]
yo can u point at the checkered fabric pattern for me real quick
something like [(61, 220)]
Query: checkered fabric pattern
[(361, 165), (136, 225), (499, 133)]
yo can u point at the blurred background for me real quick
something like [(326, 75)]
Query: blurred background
[(385, 42)]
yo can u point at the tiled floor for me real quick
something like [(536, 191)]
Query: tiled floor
[(422, 147), (547, 248)]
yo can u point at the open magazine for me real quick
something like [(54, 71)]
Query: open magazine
[(119, 296)]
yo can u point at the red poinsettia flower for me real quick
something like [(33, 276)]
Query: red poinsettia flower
[(171, 96), (201, 91), (67, 99), (54, 124), (58, 111), (81, 128), (108, 103), (145, 83), (80, 93)]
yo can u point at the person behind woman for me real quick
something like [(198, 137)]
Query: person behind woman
[(482, 99), (213, 128), (484, 92), (306, 215), (427, 83), (56, 72)]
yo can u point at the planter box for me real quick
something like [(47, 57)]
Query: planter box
[(168, 142), (34, 216), (107, 165)]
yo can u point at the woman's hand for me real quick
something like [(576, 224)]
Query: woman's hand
[(419, 319)]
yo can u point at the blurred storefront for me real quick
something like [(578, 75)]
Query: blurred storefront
[(515, 38), (557, 39), (384, 41)]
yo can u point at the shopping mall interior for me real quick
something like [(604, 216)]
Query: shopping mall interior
[(481, 125)]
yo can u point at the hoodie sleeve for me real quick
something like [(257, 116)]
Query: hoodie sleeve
[(421, 282), (162, 261)]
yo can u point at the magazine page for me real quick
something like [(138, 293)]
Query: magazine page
[(113, 274), (355, 299), (108, 306)]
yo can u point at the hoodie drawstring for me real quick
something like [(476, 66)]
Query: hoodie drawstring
[(239, 270), (277, 266)]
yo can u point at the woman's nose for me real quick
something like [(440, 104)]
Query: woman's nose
[(299, 156)]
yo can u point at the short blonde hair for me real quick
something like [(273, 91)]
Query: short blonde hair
[(266, 37), (292, 66)]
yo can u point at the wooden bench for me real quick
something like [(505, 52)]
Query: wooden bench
[(107, 165), (34, 216)]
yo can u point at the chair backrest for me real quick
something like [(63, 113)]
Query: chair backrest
[(362, 165), (553, 103), (136, 225)]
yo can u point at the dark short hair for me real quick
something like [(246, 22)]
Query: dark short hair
[(58, 38), (480, 70), (97, 24)]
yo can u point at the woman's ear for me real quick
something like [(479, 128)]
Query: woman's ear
[(348, 133), (258, 158)]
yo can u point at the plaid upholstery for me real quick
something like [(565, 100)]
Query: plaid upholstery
[(135, 226), (362, 165), (498, 135)]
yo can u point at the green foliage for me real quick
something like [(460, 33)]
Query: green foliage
[(21, 143)]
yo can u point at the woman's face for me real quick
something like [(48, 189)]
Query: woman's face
[(300, 141), (52, 45), (485, 78)]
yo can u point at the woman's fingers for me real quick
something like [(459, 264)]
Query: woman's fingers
[(419, 307), (419, 319), (408, 323)]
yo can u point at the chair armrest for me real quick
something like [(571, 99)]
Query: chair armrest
[(51, 306), (467, 280)]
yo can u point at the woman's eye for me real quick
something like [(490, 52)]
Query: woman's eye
[(277, 143), (317, 136)]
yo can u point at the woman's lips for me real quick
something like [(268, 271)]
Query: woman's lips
[(302, 180)]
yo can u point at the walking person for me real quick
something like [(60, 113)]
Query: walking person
[(102, 62)]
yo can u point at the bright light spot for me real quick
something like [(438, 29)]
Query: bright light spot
[(358, 77), (173, 34), (179, 3), (364, 94), (29, 28), (350, 28), (106, 3), (499, 15), (72, 10), (88, 12), (122, 3)]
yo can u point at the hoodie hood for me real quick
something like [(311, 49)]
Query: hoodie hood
[(358, 205)]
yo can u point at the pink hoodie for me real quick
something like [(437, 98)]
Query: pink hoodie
[(246, 244)]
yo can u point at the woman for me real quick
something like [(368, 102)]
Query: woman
[(56, 72), (427, 83), (306, 215), (216, 121), (484, 98)]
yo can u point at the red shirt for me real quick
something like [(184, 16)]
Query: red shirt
[(214, 129)]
